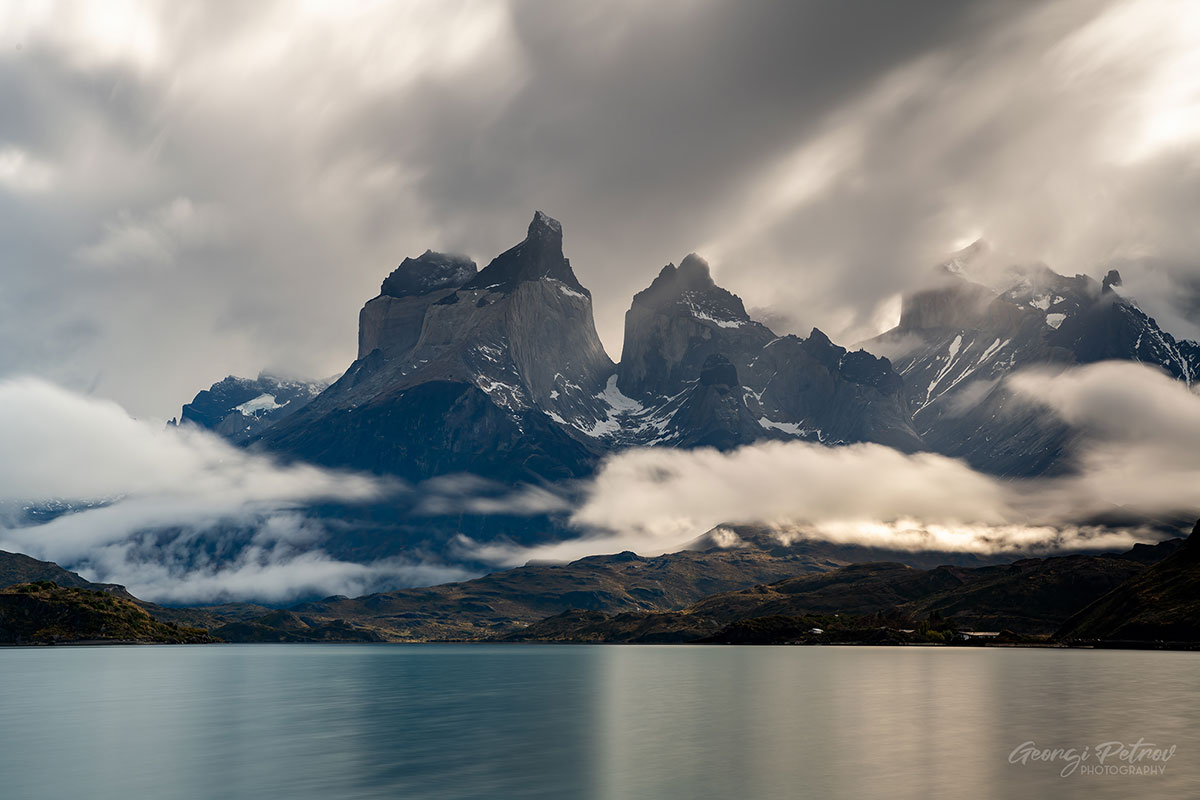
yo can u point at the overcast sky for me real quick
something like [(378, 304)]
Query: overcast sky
[(190, 189)]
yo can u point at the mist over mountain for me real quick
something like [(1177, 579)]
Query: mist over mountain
[(482, 424), (955, 343)]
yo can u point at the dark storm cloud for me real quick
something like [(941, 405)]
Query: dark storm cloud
[(637, 124), (188, 191)]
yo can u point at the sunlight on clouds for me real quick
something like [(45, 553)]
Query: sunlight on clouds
[(1154, 47), (91, 33), (335, 50), (23, 173), (1139, 432)]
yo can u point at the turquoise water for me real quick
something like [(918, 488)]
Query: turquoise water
[(532, 721)]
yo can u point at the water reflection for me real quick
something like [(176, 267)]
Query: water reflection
[(450, 721)]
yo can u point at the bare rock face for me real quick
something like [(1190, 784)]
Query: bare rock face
[(516, 342), (683, 329), (392, 321), (713, 411), (681, 319), (1113, 278), (427, 273), (539, 256), (718, 371)]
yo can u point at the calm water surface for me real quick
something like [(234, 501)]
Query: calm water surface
[(530, 721)]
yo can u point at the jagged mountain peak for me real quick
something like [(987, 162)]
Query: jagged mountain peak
[(817, 336), (427, 273), (955, 345), (709, 375), (961, 260), (538, 256), (692, 275), (681, 318), (690, 291), (543, 224), (1113, 278)]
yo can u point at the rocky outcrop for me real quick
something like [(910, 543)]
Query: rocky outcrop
[(392, 321), (789, 388), (240, 408), (676, 323), (713, 412), (539, 256), (427, 273)]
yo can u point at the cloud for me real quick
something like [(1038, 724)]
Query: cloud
[(821, 156), (59, 444), (776, 480), (176, 514), (1138, 436), (470, 494), (242, 176), (155, 239), (21, 173), (179, 515), (1137, 433)]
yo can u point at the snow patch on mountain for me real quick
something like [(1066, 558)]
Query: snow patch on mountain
[(259, 405), (794, 428), (951, 357)]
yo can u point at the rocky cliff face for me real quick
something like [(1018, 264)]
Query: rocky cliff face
[(392, 321), (676, 323), (499, 371), (788, 387), (502, 373)]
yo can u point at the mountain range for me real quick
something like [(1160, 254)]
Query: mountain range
[(498, 373), (957, 341)]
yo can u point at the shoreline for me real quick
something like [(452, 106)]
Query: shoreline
[(1097, 645)]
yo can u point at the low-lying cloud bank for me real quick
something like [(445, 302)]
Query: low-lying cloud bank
[(175, 514), (182, 516), (1138, 436), (60, 444)]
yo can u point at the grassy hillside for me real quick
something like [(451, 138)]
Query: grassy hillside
[(1030, 597), (1162, 603), (46, 613)]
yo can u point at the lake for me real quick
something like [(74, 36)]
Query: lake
[(546, 721)]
